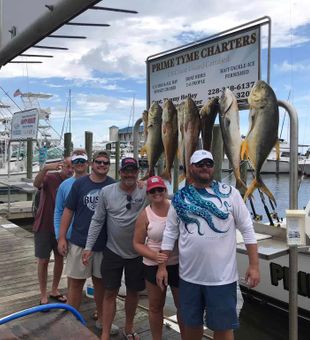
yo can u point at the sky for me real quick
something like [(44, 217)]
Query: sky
[(106, 73)]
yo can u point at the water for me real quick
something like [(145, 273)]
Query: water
[(279, 186)]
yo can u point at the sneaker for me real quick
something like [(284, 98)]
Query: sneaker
[(114, 329)]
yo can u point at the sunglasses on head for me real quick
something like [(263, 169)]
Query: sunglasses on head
[(154, 190), (79, 161), (207, 163), (101, 162), (128, 205)]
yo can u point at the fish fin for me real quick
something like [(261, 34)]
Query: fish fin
[(258, 184), (143, 150), (244, 150), (166, 175), (181, 178), (277, 146)]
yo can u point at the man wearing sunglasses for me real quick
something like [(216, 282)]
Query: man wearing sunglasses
[(80, 206), (203, 217), (119, 204), (79, 163)]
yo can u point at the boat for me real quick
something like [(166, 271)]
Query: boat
[(275, 164), (304, 164), (13, 154), (274, 268)]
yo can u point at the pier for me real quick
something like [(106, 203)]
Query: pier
[(19, 290)]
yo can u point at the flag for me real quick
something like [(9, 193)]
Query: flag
[(17, 93)]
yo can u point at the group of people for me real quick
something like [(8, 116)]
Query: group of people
[(107, 228)]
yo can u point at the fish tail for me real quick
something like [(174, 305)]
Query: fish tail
[(244, 152), (181, 178), (253, 186), (258, 184), (241, 186), (166, 175), (150, 173)]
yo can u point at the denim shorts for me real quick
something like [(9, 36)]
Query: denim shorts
[(216, 303)]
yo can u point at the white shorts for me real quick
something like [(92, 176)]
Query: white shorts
[(75, 269)]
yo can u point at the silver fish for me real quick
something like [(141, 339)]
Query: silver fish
[(189, 130), (207, 117), (263, 132), (169, 131), (230, 127), (154, 145)]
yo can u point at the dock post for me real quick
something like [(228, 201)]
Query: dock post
[(117, 159), (217, 152), (89, 145), (29, 164), (67, 144)]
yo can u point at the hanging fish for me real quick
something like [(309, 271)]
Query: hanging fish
[(207, 117), (263, 132), (145, 119), (154, 145), (169, 129), (230, 127), (189, 130)]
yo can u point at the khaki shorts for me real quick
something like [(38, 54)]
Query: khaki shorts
[(76, 269)]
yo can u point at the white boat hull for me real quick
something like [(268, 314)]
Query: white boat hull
[(274, 269), (269, 167)]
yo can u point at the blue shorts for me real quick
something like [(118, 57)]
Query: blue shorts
[(218, 303)]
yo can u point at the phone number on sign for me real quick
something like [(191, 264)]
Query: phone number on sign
[(243, 86)]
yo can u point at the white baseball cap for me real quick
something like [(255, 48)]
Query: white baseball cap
[(199, 155), (83, 156)]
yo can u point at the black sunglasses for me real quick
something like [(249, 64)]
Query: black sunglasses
[(79, 161), (208, 164), (102, 162), (128, 205), (154, 190)]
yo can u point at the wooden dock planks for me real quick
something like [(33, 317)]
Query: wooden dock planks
[(19, 290)]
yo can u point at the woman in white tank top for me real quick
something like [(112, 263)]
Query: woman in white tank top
[(149, 230)]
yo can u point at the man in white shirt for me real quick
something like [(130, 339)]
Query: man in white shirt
[(203, 217)]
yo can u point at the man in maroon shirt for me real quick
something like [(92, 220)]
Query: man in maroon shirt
[(44, 234)]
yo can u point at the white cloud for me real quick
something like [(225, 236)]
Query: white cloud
[(285, 66)]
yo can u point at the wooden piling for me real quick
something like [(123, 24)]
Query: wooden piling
[(67, 144), (89, 145)]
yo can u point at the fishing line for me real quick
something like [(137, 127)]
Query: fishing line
[(262, 198)]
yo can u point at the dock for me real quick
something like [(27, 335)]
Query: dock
[(19, 290)]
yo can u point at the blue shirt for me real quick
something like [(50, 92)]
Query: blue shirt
[(62, 193), (82, 200)]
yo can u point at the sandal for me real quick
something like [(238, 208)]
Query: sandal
[(131, 336), (94, 316), (44, 304), (59, 298)]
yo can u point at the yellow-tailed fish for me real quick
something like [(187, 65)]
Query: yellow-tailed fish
[(263, 132)]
